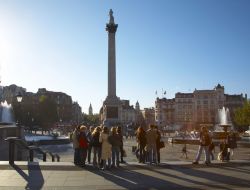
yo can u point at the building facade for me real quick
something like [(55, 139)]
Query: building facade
[(190, 110), (148, 115), (29, 110), (128, 113)]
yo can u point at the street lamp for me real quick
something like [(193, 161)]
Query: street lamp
[(19, 100), (19, 97)]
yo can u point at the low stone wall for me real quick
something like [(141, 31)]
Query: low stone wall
[(11, 131)]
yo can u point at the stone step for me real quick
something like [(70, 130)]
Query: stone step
[(129, 165)]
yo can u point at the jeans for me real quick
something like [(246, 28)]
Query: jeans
[(207, 156), (121, 150), (97, 153), (152, 153), (83, 155), (211, 154), (77, 156), (104, 163), (142, 153), (115, 156), (89, 153)]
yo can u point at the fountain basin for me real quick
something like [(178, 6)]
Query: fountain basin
[(47, 139)]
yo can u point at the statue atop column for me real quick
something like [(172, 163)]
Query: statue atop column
[(111, 27), (111, 17)]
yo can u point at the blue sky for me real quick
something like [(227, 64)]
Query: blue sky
[(176, 46)]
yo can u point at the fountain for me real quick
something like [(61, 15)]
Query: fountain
[(7, 123), (8, 128), (224, 122), (6, 113), (224, 119)]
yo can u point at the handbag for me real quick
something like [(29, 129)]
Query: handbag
[(124, 153), (161, 144)]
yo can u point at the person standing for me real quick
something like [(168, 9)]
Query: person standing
[(151, 137), (211, 149), (83, 145), (184, 151), (158, 146), (106, 148), (75, 140), (231, 142), (142, 141), (119, 132), (96, 145), (115, 141), (89, 136), (205, 140)]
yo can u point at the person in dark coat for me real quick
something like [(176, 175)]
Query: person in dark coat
[(115, 140), (119, 132), (75, 140), (211, 149), (89, 137), (96, 145), (158, 141), (231, 144), (142, 141)]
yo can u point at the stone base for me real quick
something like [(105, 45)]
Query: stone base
[(112, 108)]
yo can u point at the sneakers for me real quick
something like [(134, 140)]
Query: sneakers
[(195, 162)]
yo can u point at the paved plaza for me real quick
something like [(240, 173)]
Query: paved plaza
[(174, 172), (168, 175)]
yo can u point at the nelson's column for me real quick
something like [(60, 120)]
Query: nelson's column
[(112, 106)]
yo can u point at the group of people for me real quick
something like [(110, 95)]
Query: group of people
[(227, 145), (107, 146), (148, 145)]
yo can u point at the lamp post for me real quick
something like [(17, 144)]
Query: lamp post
[(19, 100)]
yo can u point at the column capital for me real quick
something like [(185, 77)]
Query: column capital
[(111, 28)]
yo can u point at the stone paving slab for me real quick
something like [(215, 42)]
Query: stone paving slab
[(168, 175)]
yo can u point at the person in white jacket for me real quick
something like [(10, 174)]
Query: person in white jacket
[(106, 148)]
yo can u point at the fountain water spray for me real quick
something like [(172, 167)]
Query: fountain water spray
[(224, 120), (6, 115)]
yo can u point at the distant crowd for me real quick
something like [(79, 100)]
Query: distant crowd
[(106, 146)]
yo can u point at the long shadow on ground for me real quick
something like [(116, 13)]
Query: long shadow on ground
[(34, 178)]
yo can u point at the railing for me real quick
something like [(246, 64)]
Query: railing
[(17, 141)]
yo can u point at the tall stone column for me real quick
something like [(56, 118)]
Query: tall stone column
[(111, 27), (112, 106)]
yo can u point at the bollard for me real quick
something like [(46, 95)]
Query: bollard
[(31, 155), (57, 157), (11, 151), (53, 158), (44, 157)]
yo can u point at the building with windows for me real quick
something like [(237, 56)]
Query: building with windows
[(67, 112), (77, 116), (148, 115), (128, 113), (164, 111), (190, 110)]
